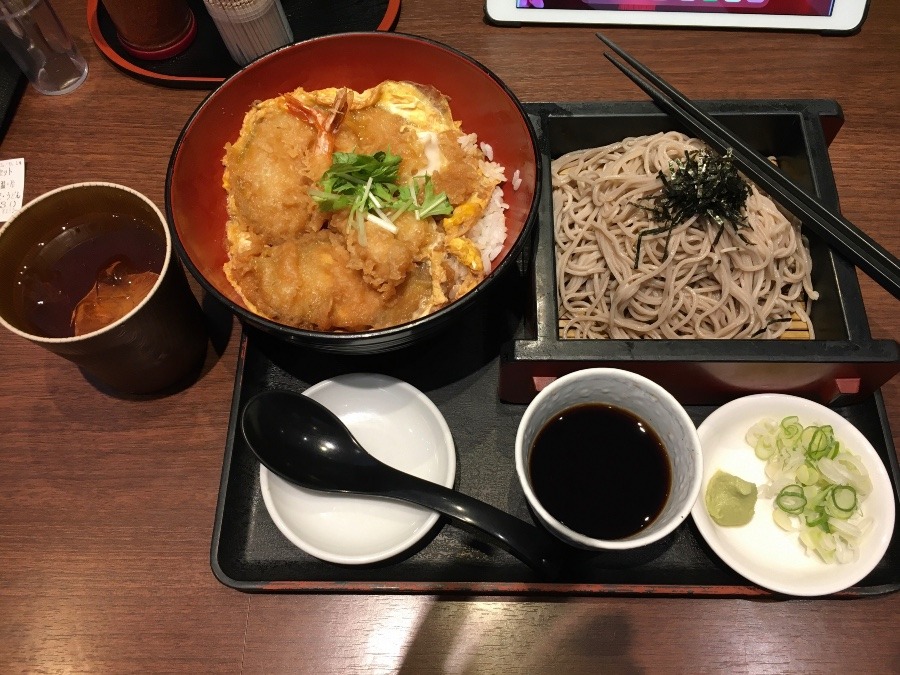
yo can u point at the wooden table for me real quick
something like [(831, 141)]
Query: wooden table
[(107, 505)]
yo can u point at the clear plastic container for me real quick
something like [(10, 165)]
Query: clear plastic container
[(250, 28)]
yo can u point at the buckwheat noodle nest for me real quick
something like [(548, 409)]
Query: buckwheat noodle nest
[(735, 289)]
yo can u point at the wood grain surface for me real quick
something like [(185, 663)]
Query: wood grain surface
[(107, 504)]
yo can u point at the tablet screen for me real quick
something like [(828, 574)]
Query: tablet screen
[(772, 7)]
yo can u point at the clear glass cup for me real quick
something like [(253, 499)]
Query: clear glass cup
[(40, 45)]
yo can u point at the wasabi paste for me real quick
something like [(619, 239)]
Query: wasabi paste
[(730, 500)]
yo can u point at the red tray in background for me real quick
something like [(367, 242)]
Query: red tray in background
[(206, 62)]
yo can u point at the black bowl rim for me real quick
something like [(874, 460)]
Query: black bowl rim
[(381, 335)]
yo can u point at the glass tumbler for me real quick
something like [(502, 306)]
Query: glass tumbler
[(40, 45)]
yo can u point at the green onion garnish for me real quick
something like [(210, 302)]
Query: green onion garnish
[(367, 185), (791, 500)]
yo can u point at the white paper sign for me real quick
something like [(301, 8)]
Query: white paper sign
[(12, 187)]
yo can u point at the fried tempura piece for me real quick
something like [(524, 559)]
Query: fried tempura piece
[(387, 258), (268, 175), (307, 282)]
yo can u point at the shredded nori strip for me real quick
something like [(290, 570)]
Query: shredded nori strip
[(703, 184), (769, 323)]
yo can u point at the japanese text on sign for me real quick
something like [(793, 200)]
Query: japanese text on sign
[(12, 187)]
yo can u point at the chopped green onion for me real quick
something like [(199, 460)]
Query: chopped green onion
[(817, 519), (816, 484), (791, 500), (383, 223), (807, 475), (791, 427), (844, 498), (367, 185)]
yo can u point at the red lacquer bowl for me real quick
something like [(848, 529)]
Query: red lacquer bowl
[(195, 199)]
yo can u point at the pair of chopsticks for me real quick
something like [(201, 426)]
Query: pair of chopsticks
[(842, 235)]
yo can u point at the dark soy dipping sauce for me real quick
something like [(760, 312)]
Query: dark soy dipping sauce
[(59, 271), (600, 471)]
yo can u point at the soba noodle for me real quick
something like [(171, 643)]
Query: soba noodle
[(735, 289)]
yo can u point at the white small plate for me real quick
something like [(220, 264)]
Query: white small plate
[(400, 426), (761, 551)]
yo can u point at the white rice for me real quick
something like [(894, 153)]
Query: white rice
[(489, 233), (516, 180), (493, 171), (468, 142)]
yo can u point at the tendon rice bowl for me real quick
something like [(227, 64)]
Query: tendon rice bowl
[(354, 210), (199, 213)]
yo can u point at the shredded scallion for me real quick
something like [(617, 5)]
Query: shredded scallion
[(816, 484), (367, 185)]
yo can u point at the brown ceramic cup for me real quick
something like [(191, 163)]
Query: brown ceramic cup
[(54, 253), (152, 29)]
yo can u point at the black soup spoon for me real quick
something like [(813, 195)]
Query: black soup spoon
[(304, 443)]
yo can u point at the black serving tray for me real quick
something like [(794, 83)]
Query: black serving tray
[(464, 371), (842, 364), (12, 85), (459, 372)]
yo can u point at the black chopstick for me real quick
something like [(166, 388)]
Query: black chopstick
[(839, 233)]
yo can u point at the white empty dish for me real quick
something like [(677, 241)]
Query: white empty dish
[(398, 425)]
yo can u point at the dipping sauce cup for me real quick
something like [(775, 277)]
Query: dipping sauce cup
[(617, 455), (87, 272)]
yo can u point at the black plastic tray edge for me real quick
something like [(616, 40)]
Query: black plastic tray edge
[(12, 86), (219, 573)]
